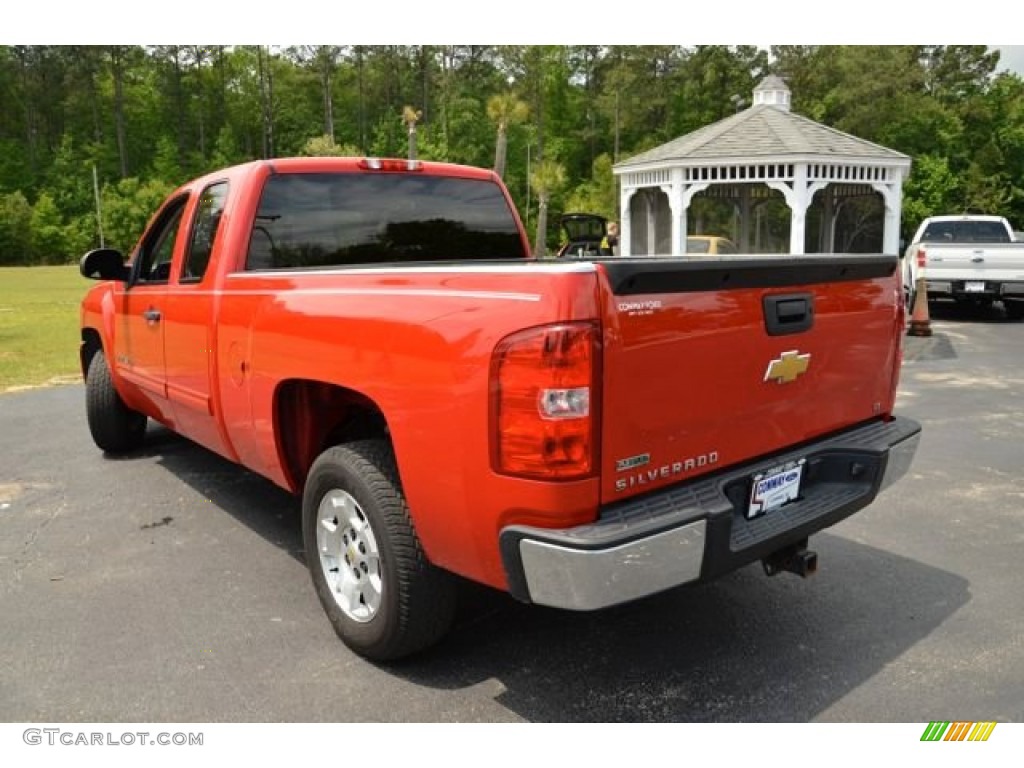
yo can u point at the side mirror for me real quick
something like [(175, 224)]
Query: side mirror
[(104, 264)]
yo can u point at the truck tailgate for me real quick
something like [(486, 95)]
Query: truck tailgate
[(981, 261), (709, 363)]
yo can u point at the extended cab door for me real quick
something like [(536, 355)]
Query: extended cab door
[(139, 340), (189, 325)]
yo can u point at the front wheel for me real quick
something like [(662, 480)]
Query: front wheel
[(115, 428), (384, 599)]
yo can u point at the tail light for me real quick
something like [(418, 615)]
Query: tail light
[(544, 402), (387, 164), (920, 258)]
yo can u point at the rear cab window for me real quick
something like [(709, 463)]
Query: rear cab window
[(309, 220), (966, 232)]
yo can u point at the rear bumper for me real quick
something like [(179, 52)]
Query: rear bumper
[(698, 530), (982, 289)]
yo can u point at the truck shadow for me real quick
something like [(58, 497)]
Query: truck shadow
[(951, 311), (744, 648), (268, 510)]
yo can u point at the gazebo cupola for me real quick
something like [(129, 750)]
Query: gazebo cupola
[(762, 153), (772, 92)]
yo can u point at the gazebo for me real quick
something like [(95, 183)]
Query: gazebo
[(746, 159)]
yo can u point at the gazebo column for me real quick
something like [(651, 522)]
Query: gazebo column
[(798, 197), (670, 192), (625, 223), (677, 211), (685, 198), (891, 193)]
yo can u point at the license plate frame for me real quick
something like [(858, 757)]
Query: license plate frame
[(774, 487)]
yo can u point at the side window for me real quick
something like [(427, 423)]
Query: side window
[(204, 232), (158, 248)]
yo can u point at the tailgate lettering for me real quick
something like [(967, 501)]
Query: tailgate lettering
[(666, 471), (634, 308)]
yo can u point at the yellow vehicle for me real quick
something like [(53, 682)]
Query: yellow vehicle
[(710, 245)]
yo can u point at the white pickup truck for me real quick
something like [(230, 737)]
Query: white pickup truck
[(971, 259)]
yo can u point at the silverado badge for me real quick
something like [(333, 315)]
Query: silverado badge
[(787, 367)]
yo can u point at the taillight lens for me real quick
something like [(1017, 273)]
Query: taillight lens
[(543, 401), (388, 164), (920, 258)]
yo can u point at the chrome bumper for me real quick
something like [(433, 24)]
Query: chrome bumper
[(586, 580), (697, 531), (901, 456)]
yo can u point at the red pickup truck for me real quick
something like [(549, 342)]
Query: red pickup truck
[(374, 335)]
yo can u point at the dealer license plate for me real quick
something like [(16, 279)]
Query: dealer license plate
[(771, 489), (974, 287)]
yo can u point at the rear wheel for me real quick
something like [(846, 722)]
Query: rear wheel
[(384, 599), (1014, 309), (114, 426)]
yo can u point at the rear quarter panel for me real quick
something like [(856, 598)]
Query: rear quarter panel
[(418, 343)]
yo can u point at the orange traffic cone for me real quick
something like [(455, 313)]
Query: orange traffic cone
[(920, 323)]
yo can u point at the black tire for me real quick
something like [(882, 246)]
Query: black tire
[(383, 607), (1014, 309), (115, 427)]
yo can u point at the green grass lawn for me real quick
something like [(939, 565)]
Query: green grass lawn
[(39, 325)]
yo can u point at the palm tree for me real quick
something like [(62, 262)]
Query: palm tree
[(547, 179), (410, 117), (505, 109)]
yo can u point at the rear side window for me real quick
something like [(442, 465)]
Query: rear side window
[(207, 222), (326, 220)]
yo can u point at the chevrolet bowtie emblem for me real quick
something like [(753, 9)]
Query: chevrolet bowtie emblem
[(786, 368)]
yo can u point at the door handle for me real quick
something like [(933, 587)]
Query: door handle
[(788, 313), (152, 315)]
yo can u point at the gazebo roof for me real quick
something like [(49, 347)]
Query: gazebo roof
[(796, 159), (762, 132)]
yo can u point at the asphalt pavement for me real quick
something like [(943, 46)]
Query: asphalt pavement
[(170, 586)]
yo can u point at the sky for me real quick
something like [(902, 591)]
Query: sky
[(416, 22), (1011, 58)]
